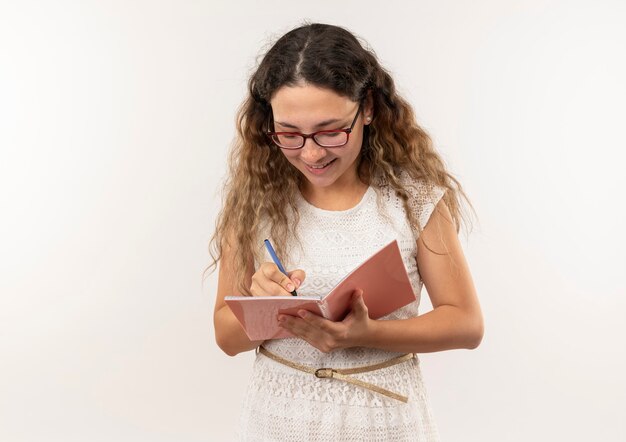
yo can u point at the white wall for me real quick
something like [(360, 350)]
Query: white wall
[(115, 117)]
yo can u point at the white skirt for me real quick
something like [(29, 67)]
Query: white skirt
[(285, 404)]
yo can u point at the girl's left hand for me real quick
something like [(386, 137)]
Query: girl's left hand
[(326, 335)]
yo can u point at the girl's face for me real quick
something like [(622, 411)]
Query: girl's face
[(308, 109)]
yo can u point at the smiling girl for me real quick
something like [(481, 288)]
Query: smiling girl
[(331, 165)]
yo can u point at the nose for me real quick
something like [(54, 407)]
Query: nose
[(311, 152)]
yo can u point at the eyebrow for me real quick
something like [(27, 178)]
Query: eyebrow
[(321, 124)]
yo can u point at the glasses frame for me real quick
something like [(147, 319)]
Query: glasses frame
[(312, 135)]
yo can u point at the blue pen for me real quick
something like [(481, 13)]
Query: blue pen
[(270, 249)]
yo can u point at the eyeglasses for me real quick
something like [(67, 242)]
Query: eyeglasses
[(323, 138)]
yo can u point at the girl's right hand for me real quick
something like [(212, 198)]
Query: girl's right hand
[(268, 280)]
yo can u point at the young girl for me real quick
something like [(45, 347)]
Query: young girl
[(331, 165)]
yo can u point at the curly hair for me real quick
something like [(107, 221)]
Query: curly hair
[(261, 184)]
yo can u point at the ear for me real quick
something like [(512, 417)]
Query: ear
[(368, 108)]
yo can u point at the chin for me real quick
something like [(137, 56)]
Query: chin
[(319, 182)]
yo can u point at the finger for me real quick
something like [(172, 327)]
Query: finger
[(358, 304), (296, 325), (272, 273), (304, 331), (262, 286), (318, 338), (297, 276), (302, 326), (318, 322), (282, 280), (265, 287)]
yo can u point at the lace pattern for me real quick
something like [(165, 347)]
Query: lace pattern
[(285, 404)]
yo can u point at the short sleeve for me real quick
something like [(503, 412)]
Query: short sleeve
[(423, 198)]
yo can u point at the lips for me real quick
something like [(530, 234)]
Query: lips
[(319, 168)]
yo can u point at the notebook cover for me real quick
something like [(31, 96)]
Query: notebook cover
[(258, 314), (384, 281)]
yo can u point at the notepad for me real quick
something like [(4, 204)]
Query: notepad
[(382, 277)]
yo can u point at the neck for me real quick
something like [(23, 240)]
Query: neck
[(340, 196)]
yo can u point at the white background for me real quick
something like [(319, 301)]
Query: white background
[(115, 120)]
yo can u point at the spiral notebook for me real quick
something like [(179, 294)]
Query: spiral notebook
[(382, 277)]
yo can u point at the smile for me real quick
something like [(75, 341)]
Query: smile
[(320, 166), (318, 169)]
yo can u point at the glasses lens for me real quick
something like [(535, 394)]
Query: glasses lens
[(288, 141), (331, 138)]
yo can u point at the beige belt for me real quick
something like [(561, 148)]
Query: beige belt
[(342, 373)]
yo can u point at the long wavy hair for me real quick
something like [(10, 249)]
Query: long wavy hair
[(261, 186)]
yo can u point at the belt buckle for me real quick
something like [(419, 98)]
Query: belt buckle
[(324, 373)]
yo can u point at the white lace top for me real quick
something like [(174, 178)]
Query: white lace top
[(284, 404)]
